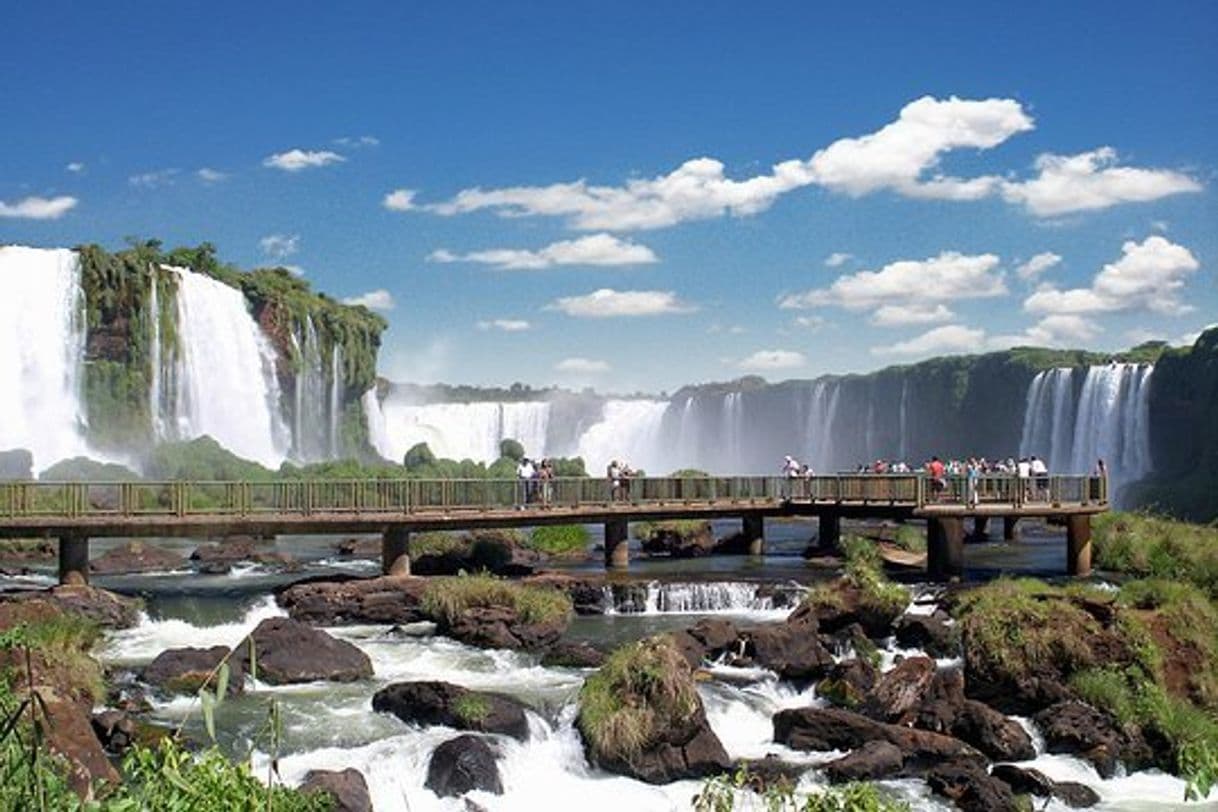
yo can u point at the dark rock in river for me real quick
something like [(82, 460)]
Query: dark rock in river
[(846, 604), (564, 654), (791, 649), (900, 692), (388, 599), (680, 540), (184, 670), (348, 788), (1092, 735), (847, 683), (930, 633), (503, 627), (463, 764), (491, 551), (442, 703), (874, 761), (360, 548), (971, 788), (136, 556), (587, 594), (220, 557), (1033, 782), (69, 732), (117, 731), (105, 608), (289, 651), (946, 710)]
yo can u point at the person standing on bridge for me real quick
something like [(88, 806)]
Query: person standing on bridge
[(614, 474), (790, 470), (524, 474)]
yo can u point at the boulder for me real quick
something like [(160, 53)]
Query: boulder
[(69, 733), (874, 761), (683, 540), (692, 649), (717, 636), (791, 649), (587, 594), (1033, 782), (184, 670), (117, 731), (289, 652), (333, 602), (564, 654), (442, 703), (136, 556), (930, 633), (1077, 728), (899, 693), (107, 609), (347, 788), (359, 548), (842, 603), (485, 551), (971, 788), (946, 710), (461, 765), (847, 683), (218, 558), (503, 627)]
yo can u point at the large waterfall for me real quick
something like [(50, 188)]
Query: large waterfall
[(628, 431), (317, 399), (1073, 425), (462, 430), (42, 341), (225, 372)]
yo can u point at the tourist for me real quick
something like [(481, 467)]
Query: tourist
[(974, 479), (1040, 472), (545, 475), (614, 475), (525, 473), (938, 477), (790, 471), (626, 474)]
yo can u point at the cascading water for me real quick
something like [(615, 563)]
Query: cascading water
[(313, 435), (42, 343), (1048, 424), (336, 399), (463, 430), (225, 372), (374, 418), (820, 427), (629, 431)]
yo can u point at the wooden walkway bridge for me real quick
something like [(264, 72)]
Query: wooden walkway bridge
[(74, 512)]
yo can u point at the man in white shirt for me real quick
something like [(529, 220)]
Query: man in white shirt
[(1040, 473), (525, 472)]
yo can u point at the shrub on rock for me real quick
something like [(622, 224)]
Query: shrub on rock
[(489, 612)]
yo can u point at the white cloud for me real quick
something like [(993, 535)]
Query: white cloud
[(506, 325), (950, 338), (809, 322), (609, 303), (1189, 339), (295, 160), (1091, 180), (400, 200), (209, 175), (75, 166), (294, 270), (280, 245), (595, 249), (358, 141), (38, 208), (837, 259), (908, 288), (905, 315), (582, 366), (772, 359), (379, 299), (1060, 330), (1037, 265), (1148, 276), (151, 180)]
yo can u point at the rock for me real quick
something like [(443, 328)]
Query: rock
[(931, 633), (873, 761), (819, 729), (1079, 729), (136, 556), (115, 730), (502, 627), (219, 557), (69, 732), (971, 788), (360, 548), (791, 649), (442, 703), (348, 788), (680, 540), (946, 710), (564, 654), (485, 551), (847, 683), (333, 602), (184, 670), (463, 764), (899, 693), (28, 551), (690, 647), (105, 608), (716, 636), (289, 652), (1034, 782), (845, 604), (587, 594)]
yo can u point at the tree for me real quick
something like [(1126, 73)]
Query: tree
[(418, 456), (511, 449)]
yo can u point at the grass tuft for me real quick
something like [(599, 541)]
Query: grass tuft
[(560, 539), (445, 599)]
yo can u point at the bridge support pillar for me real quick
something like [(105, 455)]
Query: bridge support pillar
[(395, 551), (617, 544), (753, 529), (945, 548), (73, 560), (981, 529), (1010, 528), (1078, 545), (829, 532)]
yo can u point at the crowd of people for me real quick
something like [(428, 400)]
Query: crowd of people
[(536, 478), (619, 474)]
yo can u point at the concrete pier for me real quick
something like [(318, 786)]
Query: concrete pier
[(617, 544), (981, 529), (945, 548), (1078, 545), (829, 532), (73, 560), (1010, 528), (753, 528), (395, 551)]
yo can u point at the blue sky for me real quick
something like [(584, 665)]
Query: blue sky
[(431, 156)]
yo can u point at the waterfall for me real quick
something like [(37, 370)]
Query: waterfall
[(42, 344), (225, 372), (336, 399), (630, 431), (378, 432), (311, 435), (733, 427), (155, 383), (903, 453), (1048, 424), (822, 416), (458, 431)]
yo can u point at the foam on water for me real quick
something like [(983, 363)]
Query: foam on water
[(149, 637)]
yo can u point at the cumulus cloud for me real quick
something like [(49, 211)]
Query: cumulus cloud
[(1092, 180), (379, 299), (400, 200), (358, 141), (1148, 276), (1037, 265), (763, 360), (595, 249), (294, 160), (909, 291), (582, 366), (837, 259), (38, 208), (950, 338), (151, 180), (609, 303), (280, 246), (506, 325), (209, 175), (808, 322), (76, 167)]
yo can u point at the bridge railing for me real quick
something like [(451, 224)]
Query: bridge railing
[(34, 499)]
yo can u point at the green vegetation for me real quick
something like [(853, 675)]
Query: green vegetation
[(60, 643), (445, 599), (743, 792), (560, 540), (511, 449), (437, 542), (681, 528), (1145, 545), (83, 469), (910, 538), (643, 688), (472, 708), (688, 473), (864, 571), (201, 460)]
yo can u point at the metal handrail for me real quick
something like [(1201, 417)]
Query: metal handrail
[(361, 497)]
